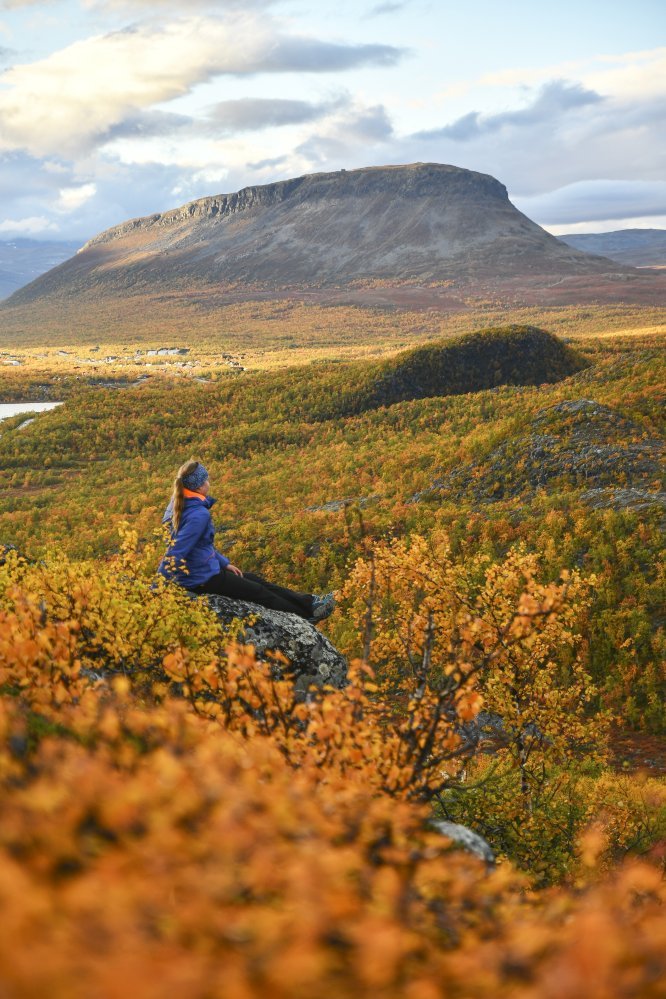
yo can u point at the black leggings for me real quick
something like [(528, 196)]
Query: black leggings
[(251, 587)]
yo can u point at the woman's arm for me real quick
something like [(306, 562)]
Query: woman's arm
[(225, 563), (186, 538), (222, 559)]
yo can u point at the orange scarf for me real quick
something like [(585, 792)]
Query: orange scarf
[(189, 494)]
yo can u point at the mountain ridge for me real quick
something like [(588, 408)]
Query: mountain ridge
[(636, 247), (23, 259), (267, 195)]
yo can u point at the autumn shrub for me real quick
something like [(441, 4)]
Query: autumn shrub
[(125, 618), (158, 840), (65, 481), (629, 811), (427, 615), (118, 624)]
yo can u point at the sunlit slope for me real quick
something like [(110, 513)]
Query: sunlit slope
[(285, 440)]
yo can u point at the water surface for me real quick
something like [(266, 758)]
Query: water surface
[(14, 408)]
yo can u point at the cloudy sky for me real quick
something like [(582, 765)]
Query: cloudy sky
[(111, 109)]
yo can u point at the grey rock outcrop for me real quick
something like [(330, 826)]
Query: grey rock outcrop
[(467, 839), (624, 499), (577, 443), (314, 660), (488, 733)]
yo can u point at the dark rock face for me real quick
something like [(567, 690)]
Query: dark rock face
[(314, 660), (580, 443), (420, 222)]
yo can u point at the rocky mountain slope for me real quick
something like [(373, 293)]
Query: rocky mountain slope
[(423, 222), (634, 247)]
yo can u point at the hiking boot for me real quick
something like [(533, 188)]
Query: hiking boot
[(322, 607)]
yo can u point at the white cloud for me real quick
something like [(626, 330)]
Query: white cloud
[(71, 198), (358, 131), (12, 4), (252, 114), (31, 226), (67, 102), (629, 73), (608, 225), (565, 135), (89, 134), (555, 100), (635, 75), (161, 5), (596, 200)]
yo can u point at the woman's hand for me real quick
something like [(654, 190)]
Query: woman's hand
[(234, 568)]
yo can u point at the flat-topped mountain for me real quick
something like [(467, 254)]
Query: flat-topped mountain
[(423, 222)]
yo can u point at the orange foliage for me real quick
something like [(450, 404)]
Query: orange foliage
[(197, 831)]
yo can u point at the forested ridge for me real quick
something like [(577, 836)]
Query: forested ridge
[(497, 547)]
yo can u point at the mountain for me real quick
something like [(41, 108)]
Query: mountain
[(22, 260), (425, 222), (635, 247)]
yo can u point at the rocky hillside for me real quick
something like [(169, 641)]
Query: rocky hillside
[(634, 247), (578, 443), (422, 222)]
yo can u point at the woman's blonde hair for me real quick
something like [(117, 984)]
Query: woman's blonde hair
[(178, 496)]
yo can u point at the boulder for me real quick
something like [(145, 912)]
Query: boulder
[(487, 733), (6, 551), (314, 660), (467, 839)]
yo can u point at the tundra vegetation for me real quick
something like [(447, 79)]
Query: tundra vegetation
[(168, 800)]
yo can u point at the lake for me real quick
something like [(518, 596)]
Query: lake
[(14, 408)]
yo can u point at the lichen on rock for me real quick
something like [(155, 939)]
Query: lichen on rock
[(314, 660)]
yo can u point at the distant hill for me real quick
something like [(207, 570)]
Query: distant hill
[(22, 260), (635, 247), (424, 222)]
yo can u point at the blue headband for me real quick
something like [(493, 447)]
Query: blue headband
[(196, 478)]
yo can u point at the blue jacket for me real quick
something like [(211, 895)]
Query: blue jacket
[(191, 557)]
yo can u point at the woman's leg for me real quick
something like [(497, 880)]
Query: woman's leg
[(301, 600), (258, 591)]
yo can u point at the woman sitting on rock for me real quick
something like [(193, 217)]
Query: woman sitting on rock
[(192, 560)]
